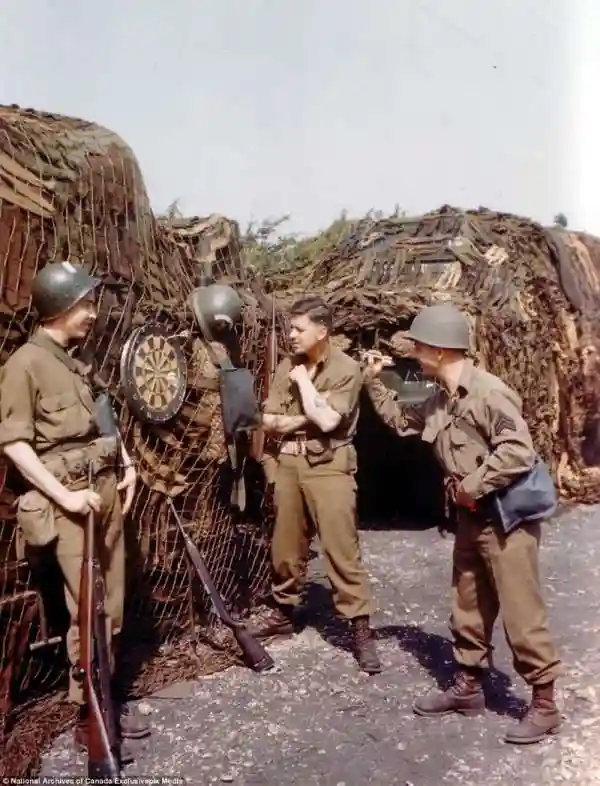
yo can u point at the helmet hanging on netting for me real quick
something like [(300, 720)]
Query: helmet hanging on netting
[(442, 326), (216, 306), (58, 287)]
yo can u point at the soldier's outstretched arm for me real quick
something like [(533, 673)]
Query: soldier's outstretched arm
[(406, 421)]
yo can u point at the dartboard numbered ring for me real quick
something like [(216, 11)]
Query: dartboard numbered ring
[(153, 374)]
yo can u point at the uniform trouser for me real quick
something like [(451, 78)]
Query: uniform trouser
[(110, 549), (328, 493), (494, 572)]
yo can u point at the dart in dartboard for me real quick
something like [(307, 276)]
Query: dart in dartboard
[(153, 373)]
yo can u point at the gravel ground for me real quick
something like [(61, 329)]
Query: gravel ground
[(316, 720)]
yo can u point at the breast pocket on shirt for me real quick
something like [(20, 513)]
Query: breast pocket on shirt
[(62, 415), (466, 454)]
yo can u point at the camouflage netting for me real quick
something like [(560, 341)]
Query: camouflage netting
[(70, 189), (532, 295)]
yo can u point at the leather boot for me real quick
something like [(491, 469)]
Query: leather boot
[(81, 736), (542, 718), (364, 646), (464, 696), (130, 725), (279, 620)]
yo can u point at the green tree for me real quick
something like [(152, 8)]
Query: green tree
[(268, 250)]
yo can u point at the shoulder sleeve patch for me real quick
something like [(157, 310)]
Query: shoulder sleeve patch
[(504, 424)]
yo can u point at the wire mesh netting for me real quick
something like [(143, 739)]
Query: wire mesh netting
[(70, 189), (532, 295)]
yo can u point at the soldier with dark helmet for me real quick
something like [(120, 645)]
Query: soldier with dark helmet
[(492, 571), (48, 431)]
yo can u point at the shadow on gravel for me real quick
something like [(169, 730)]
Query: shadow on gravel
[(434, 653), (431, 651)]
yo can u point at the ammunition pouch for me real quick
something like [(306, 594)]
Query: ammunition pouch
[(318, 452), (72, 464), (35, 520), (35, 512)]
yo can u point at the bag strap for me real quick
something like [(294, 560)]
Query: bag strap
[(238, 491), (63, 356), (60, 354)]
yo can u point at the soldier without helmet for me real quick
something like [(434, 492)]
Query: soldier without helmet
[(47, 430), (492, 571), (313, 408)]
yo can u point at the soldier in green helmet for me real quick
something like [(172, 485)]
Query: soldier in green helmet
[(492, 571), (48, 431)]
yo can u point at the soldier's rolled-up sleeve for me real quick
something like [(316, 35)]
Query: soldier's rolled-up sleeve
[(274, 403), (17, 403), (406, 421), (343, 395), (511, 448)]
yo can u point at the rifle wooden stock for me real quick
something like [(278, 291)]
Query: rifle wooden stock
[(103, 746), (255, 654), (257, 446)]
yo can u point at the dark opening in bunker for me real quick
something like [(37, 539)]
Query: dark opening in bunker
[(399, 479)]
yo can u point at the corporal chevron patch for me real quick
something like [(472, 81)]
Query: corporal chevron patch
[(504, 423)]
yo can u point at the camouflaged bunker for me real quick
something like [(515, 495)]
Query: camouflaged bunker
[(72, 189), (532, 295)]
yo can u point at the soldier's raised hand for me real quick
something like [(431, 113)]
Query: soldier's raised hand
[(374, 362)]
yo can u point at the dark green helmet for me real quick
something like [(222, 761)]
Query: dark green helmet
[(58, 287), (215, 306), (442, 326)]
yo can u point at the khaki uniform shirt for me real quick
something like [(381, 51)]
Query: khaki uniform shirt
[(482, 404), (338, 375), (42, 402)]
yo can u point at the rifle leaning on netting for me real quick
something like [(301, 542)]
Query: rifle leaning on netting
[(255, 655), (94, 660)]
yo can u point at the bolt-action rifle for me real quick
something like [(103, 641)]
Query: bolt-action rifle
[(94, 669)]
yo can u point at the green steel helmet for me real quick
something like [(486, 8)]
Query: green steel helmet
[(215, 306), (58, 287), (442, 326)]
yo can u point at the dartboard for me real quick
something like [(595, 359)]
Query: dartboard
[(153, 374)]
